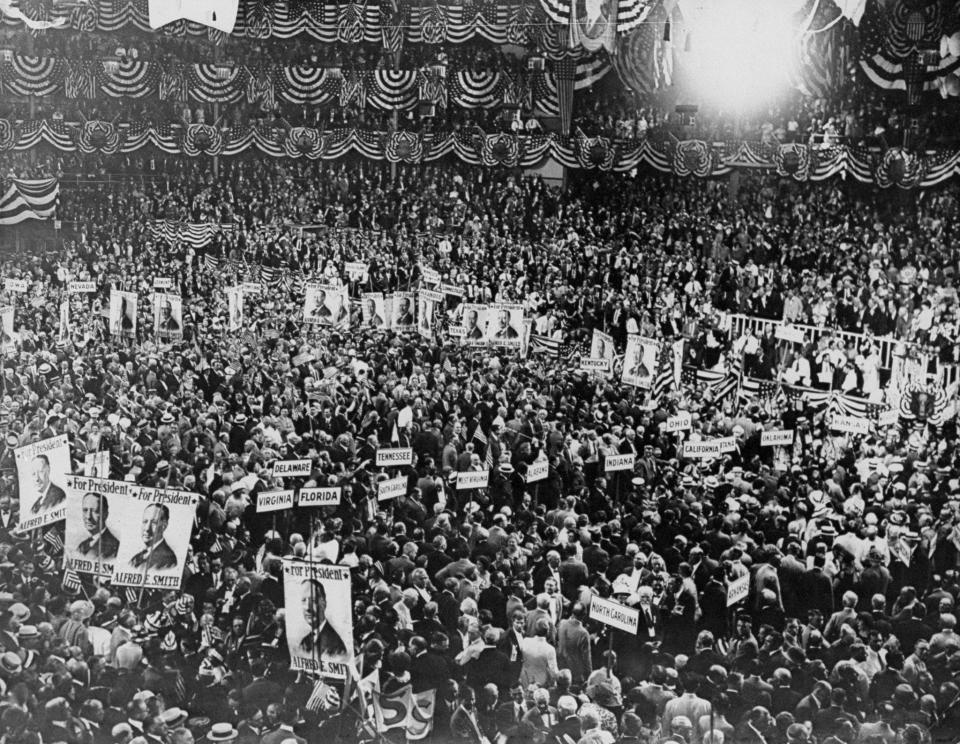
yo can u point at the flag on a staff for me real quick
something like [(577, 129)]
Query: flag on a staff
[(664, 382), (71, 581)]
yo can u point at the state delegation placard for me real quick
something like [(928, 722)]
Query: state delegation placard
[(614, 614), (292, 468), (328, 496), (394, 457), (271, 501)]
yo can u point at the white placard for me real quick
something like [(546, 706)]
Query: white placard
[(329, 496), (162, 282), (614, 614), (291, 468), (537, 471), (738, 589), (680, 422), (613, 463), (850, 424), (356, 270), (391, 488), (726, 444), (890, 417), (776, 438), (431, 276), (81, 287), (789, 333), (15, 285), (394, 457), (472, 479), (589, 364), (271, 501), (701, 450)]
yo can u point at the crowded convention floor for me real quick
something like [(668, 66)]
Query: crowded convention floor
[(464, 373)]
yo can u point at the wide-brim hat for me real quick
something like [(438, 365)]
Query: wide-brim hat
[(222, 732)]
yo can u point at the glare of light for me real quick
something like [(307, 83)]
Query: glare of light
[(741, 50)]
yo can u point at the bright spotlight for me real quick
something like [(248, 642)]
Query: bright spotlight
[(741, 50)]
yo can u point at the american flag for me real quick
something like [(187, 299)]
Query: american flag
[(54, 540), (211, 263), (663, 383), (731, 381), (131, 594), (565, 73), (479, 436), (448, 366), (323, 695), (544, 345)]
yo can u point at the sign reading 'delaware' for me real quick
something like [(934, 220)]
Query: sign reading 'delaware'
[(613, 463), (290, 468), (614, 614), (328, 496), (271, 501), (776, 438), (473, 479), (537, 471), (394, 456)]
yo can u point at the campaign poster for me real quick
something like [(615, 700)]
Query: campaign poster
[(640, 362), (6, 325), (63, 333), (235, 308), (427, 303), (97, 464), (601, 347), (505, 325), (168, 315), (42, 470), (324, 304), (123, 313), (373, 311), (153, 548), (474, 323), (403, 311), (319, 619), (93, 527)]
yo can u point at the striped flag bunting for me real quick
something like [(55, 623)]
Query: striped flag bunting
[(28, 200), (322, 695), (131, 595), (53, 538), (663, 383), (544, 345), (196, 234), (479, 436)]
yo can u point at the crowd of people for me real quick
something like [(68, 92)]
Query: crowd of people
[(846, 632)]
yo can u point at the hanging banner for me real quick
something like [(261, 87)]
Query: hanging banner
[(319, 617), (403, 307), (639, 362), (91, 537), (123, 313), (42, 470), (504, 325), (324, 304), (427, 303), (474, 323), (235, 308), (373, 310), (168, 316), (153, 556)]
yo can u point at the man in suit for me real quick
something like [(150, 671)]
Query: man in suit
[(320, 310), (49, 496), (471, 326), (567, 729), (374, 319), (404, 316), (464, 726), (573, 646), (511, 645), (101, 543), (168, 323), (284, 731), (156, 554), (323, 639), (503, 328)]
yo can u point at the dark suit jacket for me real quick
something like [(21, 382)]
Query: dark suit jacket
[(54, 497), (107, 548), (329, 643), (510, 646), (429, 671), (160, 558), (491, 666)]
